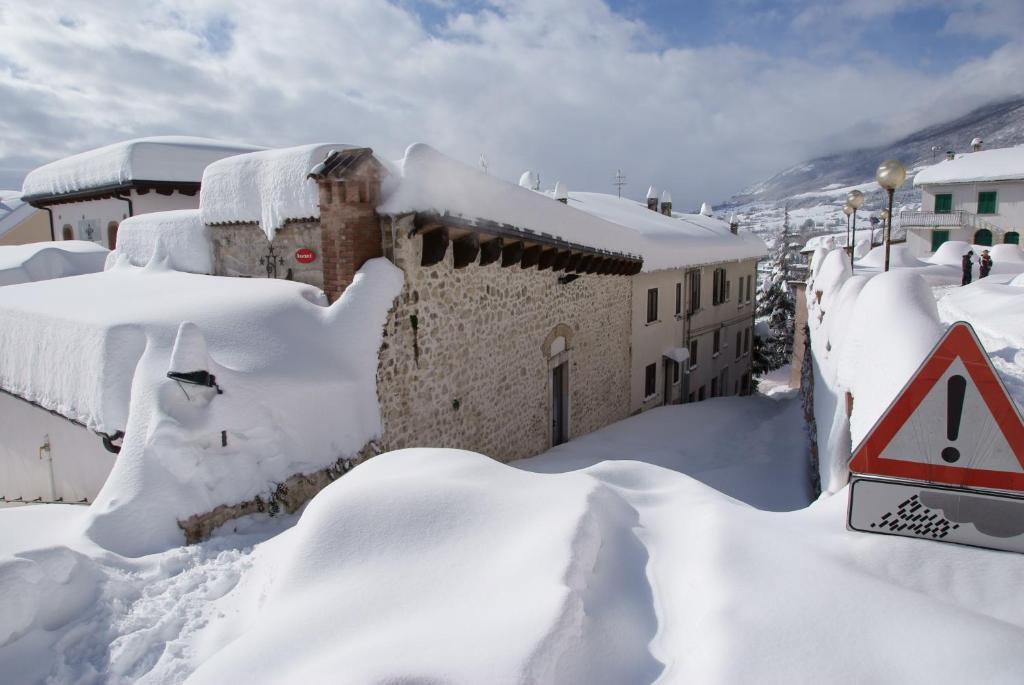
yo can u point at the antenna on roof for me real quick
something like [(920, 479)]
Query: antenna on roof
[(620, 180)]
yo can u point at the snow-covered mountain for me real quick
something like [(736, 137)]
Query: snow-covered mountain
[(815, 190)]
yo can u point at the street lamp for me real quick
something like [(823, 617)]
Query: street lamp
[(854, 199), (847, 210), (890, 175)]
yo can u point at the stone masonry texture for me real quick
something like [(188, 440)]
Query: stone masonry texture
[(466, 361)]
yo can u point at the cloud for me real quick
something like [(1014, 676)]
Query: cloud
[(568, 88)]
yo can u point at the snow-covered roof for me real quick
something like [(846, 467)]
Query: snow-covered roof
[(432, 182), (179, 159), (183, 239), (46, 260), (667, 242), (1002, 164), (268, 187)]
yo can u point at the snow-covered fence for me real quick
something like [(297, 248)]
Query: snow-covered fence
[(868, 335)]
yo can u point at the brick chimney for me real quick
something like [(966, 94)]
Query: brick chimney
[(652, 199), (950, 154), (666, 203), (349, 184), (976, 144), (734, 225)]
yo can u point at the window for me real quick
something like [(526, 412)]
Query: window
[(983, 236), (650, 380), (720, 288), (679, 299), (700, 394), (693, 279), (1012, 238), (939, 237), (714, 387), (675, 372), (691, 397), (943, 203), (693, 354), (716, 343), (987, 202), (67, 233), (739, 338), (750, 287), (746, 341), (652, 305)]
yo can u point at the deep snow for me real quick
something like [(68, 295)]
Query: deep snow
[(443, 566), (46, 260)]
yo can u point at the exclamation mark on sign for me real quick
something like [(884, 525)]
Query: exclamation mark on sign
[(956, 386)]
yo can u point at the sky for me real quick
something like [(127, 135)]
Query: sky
[(701, 98)]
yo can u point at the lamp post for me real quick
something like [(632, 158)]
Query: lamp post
[(847, 210), (890, 175), (854, 199)]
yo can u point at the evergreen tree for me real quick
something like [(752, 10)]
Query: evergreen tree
[(775, 306)]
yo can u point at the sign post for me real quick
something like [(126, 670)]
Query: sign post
[(946, 459)]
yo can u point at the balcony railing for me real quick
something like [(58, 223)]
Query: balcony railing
[(955, 219)]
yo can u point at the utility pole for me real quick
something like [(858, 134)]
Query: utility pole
[(620, 180)]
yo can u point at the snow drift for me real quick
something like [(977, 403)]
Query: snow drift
[(185, 240), (869, 334), (47, 260), (295, 390), (409, 537)]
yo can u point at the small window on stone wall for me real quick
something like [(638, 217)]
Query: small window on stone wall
[(650, 380)]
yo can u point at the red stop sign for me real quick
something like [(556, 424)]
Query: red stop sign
[(304, 255)]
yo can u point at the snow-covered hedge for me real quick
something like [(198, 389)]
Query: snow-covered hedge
[(48, 260)]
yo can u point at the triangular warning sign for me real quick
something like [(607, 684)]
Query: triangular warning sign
[(953, 423)]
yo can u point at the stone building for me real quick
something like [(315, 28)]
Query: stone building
[(527, 318), (86, 196), (512, 332)]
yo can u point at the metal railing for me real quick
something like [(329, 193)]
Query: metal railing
[(955, 219)]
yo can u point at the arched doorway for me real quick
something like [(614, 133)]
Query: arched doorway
[(112, 235), (67, 232), (983, 236), (1012, 238)]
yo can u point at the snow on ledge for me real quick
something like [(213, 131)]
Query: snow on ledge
[(267, 188), (157, 158)]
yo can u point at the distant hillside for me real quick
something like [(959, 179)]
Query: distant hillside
[(815, 190)]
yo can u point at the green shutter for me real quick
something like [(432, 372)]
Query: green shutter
[(987, 203), (939, 237), (944, 203), (983, 236), (1012, 238)]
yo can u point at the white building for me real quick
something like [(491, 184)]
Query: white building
[(88, 195), (692, 304), (976, 197)]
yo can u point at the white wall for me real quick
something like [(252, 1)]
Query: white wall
[(100, 213), (1009, 201), (650, 341), (80, 462)]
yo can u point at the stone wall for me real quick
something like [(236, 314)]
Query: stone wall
[(238, 248), (467, 355)]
